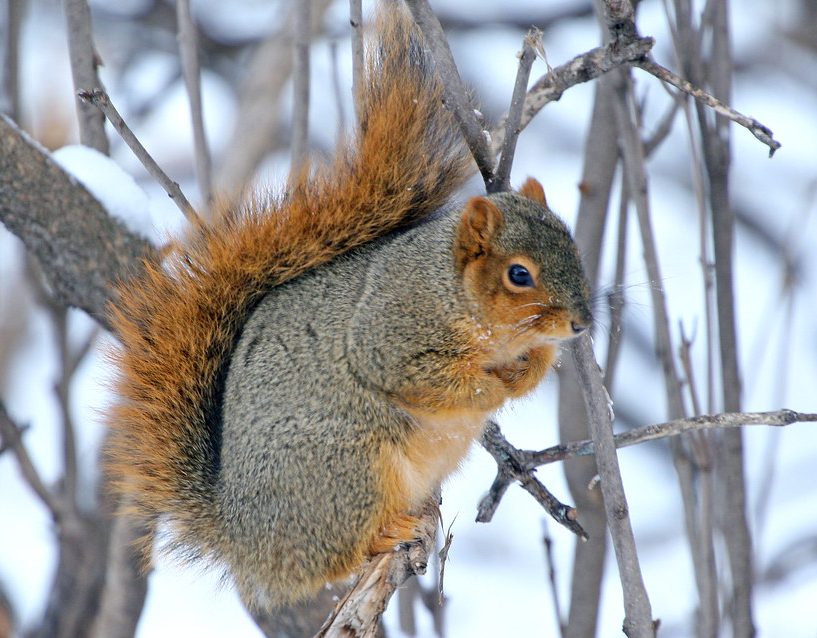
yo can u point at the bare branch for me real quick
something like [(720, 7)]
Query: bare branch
[(258, 117), (502, 178), (100, 99), (547, 543), (455, 95), (760, 131), (646, 433), (637, 186), (300, 86), (10, 73), (13, 440), (600, 162), (510, 468), (583, 68), (84, 63), (638, 621), (336, 88), (356, 21), (188, 50), (358, 614), (123, 595), (616, 297)]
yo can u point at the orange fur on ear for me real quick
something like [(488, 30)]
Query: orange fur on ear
[(532, 189), (480, 221)]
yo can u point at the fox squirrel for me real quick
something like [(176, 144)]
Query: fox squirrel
[(303, 374)]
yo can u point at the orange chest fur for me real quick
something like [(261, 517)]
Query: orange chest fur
[(434, 449)]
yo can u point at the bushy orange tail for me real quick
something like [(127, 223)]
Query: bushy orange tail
[(178, 322)]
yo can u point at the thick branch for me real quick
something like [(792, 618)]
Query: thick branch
[(81, 249)]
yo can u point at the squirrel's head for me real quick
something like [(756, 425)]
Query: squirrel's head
[(521, 267)]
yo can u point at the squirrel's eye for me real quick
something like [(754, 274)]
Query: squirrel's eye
[(519, 276)]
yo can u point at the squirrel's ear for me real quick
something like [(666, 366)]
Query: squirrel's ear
[(532, 189), (481, 220)]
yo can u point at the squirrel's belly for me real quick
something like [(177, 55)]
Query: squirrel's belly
[(435, 448)]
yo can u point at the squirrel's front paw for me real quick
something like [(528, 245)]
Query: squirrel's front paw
[(399, 529)]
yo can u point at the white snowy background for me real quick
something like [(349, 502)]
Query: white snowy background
[(496, 582)]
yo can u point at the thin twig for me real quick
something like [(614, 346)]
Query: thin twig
[(637, 184), (510, 468), (10, 73), (101, 100), (583, 68), (300, 86), (663, 129), (656, 431), (456, 97), (760, 131), (502, 177), (356, 22), (13, 440), (84, 63), (336, 88), (188, 49), (547, 543), (616, 296), (61, 388)]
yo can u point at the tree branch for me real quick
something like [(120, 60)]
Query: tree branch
[(100, 99), (13, 440), (188, 50), (760, 131), (80, 248), (583, 68), (530, 43), (456, 97), (511, 468), (358, 614), (84, 63), (646, 433), (638, 621)]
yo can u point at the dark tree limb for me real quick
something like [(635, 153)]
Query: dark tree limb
[(81, 249)]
